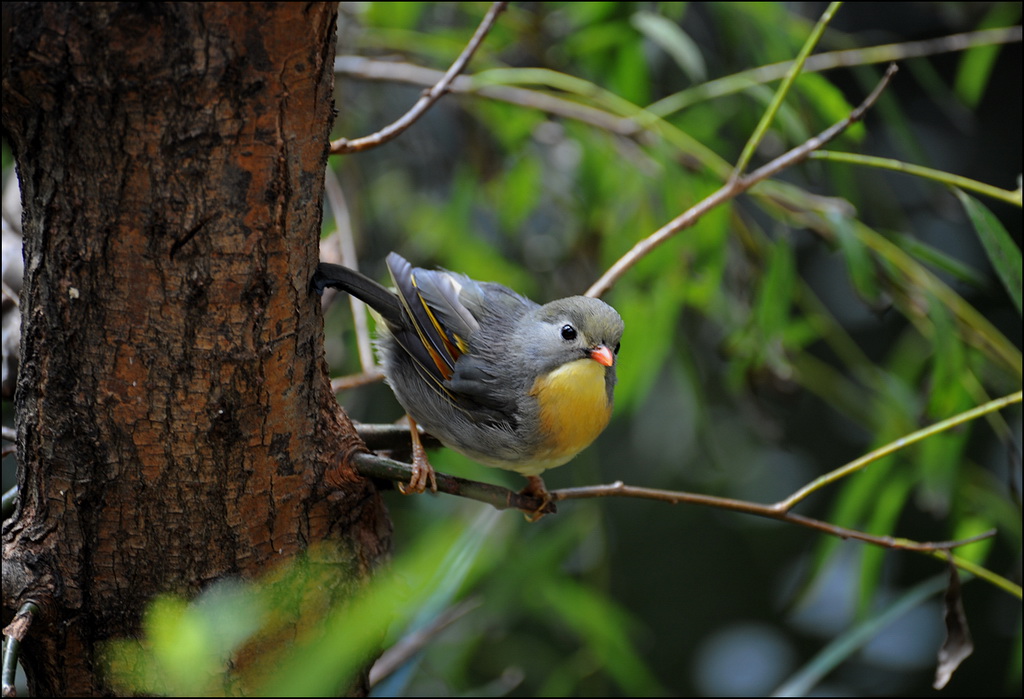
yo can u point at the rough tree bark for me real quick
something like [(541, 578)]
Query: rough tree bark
[(174, 417)]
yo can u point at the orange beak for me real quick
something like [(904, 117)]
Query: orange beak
[(602, 355)]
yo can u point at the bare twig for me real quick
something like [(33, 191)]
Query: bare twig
[(15, 633), (343, 145), (343, 383), (8, 293), (619, 489), (820, 62), (10, 498), (733, 188), (780, 94), (363, 68), (1005, 195), (391, 437), (902, 442), (343, 238), (393, 71)]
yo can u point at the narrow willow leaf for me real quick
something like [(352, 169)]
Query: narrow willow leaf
[(677, 43), (1002, 252)]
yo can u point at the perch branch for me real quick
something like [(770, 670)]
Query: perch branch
[(502, 498), (498, 497)]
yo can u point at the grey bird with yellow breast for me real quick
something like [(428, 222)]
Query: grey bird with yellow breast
[(491, 374)]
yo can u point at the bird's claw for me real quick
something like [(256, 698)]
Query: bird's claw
[(422, 473), (536, 489)]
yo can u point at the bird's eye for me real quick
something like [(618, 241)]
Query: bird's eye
[(568, 333), (617, 346)]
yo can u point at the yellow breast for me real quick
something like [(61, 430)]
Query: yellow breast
[(574, 409)]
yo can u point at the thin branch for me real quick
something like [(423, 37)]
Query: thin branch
[(780, 94), (803, 151), (502, 498), (363, 68), (343, 145), (635, 121), (9, 294), (15, 633), (343, 383), (1005, 195), (620, 489), (902, 442), (346, 250), (392, 437), (733, 188), (976, 570), (393, 71), (374, 466), (829, 60), (498, 497), (10, 498)]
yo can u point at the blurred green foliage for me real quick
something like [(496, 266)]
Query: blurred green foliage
[(829, 311)]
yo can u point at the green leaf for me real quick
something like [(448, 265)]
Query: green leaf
[(949, 364), (675, 42), (646, 345), (829, 101), (939, 260), (186, 646), (517, 192), (843, 647), (857, 257), (605, 631), (886, 505), (353, 632), (1002, 252), (971, 527), (776, 294), (972, 76), (401, 15)]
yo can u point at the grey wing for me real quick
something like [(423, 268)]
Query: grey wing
[(441, 292)]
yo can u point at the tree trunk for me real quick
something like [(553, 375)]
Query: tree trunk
[(174, 416)]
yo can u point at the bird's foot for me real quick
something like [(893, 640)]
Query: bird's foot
[(536, 489), (422, 471)]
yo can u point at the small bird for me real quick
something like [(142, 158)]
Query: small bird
[(488, 372)]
